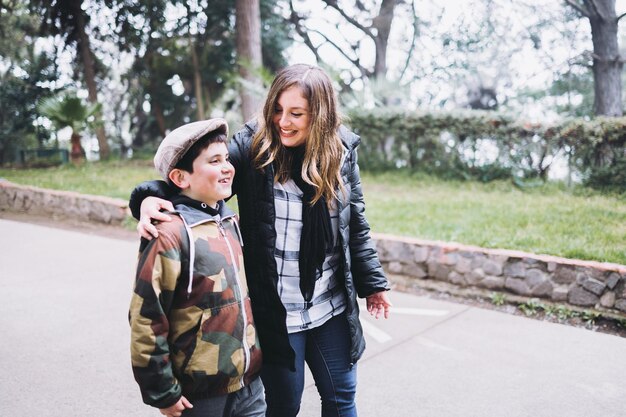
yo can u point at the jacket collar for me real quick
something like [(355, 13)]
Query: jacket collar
[(349, 139), (193, 213)]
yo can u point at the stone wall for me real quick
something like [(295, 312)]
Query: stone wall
[(61, 204), (587, 284)]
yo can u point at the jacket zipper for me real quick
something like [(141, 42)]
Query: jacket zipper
[(244, 339)]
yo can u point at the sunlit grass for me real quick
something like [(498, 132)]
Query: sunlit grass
[(550, 219), (113, 179)]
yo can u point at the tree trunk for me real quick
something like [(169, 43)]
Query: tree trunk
[(197, 81), (90, 79), (607, 65), (155, 107), (207, 100), (77, 153), (248, 28), (157, 112), (382, 24)]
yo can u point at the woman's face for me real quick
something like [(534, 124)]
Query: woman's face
[(291, 117)]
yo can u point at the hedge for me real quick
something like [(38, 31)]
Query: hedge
[(487, 145)]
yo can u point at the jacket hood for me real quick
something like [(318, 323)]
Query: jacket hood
[(193, 213), (193, 216)]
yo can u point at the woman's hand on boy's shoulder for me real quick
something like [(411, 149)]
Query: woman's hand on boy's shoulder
[(151, 211)]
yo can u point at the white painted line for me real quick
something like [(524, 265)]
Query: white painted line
[(374, 332), (418, 311), (410, 311), (430, 344)]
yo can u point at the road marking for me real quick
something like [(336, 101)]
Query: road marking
[(382, 337), (374, 332), (430, 344), (418, 311), (411, 311)]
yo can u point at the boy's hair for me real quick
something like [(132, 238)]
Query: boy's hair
[(178, 142), (186, 162)]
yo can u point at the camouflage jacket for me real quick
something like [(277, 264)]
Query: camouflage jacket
[(192, 331)]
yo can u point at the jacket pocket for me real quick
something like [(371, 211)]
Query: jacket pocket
[(219, 347)]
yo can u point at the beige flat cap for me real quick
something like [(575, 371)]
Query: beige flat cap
[(178, 141)]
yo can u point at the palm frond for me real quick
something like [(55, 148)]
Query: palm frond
[(68, 110)]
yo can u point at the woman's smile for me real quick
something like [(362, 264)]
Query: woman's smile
[(291, 117)]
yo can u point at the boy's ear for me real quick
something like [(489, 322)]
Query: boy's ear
[(179, 178)]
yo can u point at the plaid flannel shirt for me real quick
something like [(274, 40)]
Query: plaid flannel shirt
[(329, 297)]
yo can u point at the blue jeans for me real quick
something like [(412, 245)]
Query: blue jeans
[(247, 402), (326, 350)]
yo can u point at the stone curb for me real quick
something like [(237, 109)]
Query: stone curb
[(62, 204), (584, 284)]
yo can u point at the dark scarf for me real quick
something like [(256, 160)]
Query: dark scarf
[(317, 233)]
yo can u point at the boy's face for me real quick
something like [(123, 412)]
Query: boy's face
[(212, 175)]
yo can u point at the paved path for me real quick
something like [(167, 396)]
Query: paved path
[(64, 349)]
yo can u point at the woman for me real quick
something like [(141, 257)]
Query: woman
[(307, 248)]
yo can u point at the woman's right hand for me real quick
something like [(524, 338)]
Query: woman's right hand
[(151, 210)]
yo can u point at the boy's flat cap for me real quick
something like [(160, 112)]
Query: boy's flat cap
[(178, 141)]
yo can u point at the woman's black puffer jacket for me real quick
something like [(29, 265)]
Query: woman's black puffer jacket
[(362, 272)]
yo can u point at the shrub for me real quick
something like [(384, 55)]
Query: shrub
[(486, 145)]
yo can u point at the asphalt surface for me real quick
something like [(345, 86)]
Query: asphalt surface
[(64, 349)]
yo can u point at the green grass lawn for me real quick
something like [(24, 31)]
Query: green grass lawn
[(549, 219), (112, 179)]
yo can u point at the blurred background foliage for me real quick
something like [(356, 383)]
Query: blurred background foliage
[(479, 89)]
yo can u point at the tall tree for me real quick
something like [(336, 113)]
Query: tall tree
[(67, 19), (140, 30), (276, 36), (607, 61), (185, 60), (373, 23), (27, 75), (249, 56)]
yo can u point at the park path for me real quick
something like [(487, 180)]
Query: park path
[(64, 350)]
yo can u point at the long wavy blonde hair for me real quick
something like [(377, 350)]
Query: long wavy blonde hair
[(323, 148)]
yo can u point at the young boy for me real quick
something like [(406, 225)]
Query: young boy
[(194, 347)]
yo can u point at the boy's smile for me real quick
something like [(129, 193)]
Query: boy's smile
[(212, 176)]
